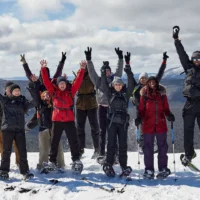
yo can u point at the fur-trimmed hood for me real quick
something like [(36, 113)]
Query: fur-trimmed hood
[(162, 90)]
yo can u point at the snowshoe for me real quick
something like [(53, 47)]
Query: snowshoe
[(51, 166), (77, 167), (95, 155), (163, 174), (108, 170), (27, 176), (148, 174), (126, 171), (101, 159), (4, 175)]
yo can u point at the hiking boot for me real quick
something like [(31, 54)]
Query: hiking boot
[(148, 174), (163, 174), (108, 170), (126, 171), (77, 166)]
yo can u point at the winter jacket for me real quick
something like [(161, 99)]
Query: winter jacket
[(62, 100), (86, 96), (192, 81), (101, 97), (152, 110), (118, 101), (13, 109)]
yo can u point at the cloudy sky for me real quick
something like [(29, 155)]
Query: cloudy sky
[(43, 29)]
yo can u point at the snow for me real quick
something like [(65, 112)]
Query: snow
[(72, 187)]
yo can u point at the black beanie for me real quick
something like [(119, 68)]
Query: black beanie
[(61, 78), (106, 65), (153, 78), (9, 83), (13, 86)]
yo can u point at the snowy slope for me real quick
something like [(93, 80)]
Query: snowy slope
[(72, 187)]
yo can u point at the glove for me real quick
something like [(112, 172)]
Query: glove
[(171, 117), (119, 53), (165, 56), (88, 53), (138, 121), (23, 60), (127, 57), (175, 33), (63, 57), (127, 69)]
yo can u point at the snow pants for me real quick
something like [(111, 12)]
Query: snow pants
[(45, 138), (148, 150), (117, 131), (70, 130), (191, 112), (20, 140), (81, 116)]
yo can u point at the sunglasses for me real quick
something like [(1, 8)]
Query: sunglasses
[(196, 59)]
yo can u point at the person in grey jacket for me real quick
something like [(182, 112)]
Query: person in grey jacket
[(101, 97)]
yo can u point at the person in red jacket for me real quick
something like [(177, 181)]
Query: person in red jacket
[(63, 114), (153, 108)]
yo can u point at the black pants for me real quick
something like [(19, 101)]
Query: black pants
[(20, 140), (117, 130), (70, 130), (81, 116), (191, 111)]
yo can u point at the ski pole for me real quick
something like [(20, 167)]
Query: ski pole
[(172, 130), (138, 140)]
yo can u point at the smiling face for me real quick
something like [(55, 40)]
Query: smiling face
[(117, 87), (196, 61), (16, 92), (143, 80), (62, 85), (152, 84)]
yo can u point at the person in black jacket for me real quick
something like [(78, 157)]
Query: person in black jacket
[(33, 121), (45, 135), (14, 107), (118, 118), (191, 92)]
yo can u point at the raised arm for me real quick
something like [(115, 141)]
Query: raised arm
[(120, 64), (162, 67), (104, 83), (92, 73), (184, 58), (45, 77), (60, 66), (26, 67), (79, 78)]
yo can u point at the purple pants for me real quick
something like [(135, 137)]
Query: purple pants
[(148, 150)]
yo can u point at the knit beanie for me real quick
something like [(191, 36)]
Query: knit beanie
[(117, 80), (60, 79), (143, 74)]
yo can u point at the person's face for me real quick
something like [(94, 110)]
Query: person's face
[(143, 80), (8, 91), (108, 73), (16, 92), (62, 86), (152, 84), (118, 87), (196, 61), (47, 96)]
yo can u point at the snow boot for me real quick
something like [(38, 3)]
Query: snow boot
[(185, 160), (51, 166), (126, 171), (108, 170), (4, 175), (77, 166), (163, 174), (148, 174), (27, 176)]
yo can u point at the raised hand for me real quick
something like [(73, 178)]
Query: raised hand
[(119, 53), (127, 57), (88, 53), (23, 60), (175, 33), (34, 78), (43, 63), (63, 57), (165, 56), (83, 64)]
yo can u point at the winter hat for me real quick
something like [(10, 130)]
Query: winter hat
[(13, 86), (143, 74), (9, 83), (153, 78), (106, 65), (117, 80), (196, 54), (60, 79)]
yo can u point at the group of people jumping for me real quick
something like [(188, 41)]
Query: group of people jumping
[(104, 100)]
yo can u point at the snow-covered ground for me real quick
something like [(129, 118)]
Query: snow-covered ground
[(72, 187)]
